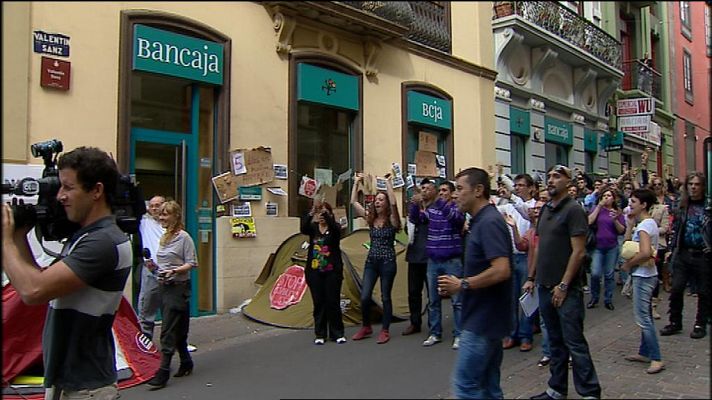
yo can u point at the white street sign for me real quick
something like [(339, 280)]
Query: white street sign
[(640, 123)]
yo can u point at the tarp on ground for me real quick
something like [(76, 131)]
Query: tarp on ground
[(298, 314), (286, 279), (137, 359)]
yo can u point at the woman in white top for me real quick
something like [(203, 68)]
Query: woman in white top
[(645, 276)]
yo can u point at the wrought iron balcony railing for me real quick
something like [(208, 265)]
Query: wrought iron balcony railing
[(638, 75), (567, 25), (428, 21)]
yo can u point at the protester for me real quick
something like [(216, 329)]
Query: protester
[(562, 234), (324, 272), (660, 214), (645, 276), (444, 251), (149, 298), (176, 258), (691, 248), (609, 224), (416, 256), (384, 222), (84, 286), (486, 289)]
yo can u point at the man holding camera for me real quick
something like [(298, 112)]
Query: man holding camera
[(84, 286)]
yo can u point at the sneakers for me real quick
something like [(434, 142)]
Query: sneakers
[(319, 341), (544, 361), (456, 343), (670, 329), (431, 340), (364, 332), (384, 336), (586, 289), (411, 329), (698, 332), (341, 340), (542, 396)]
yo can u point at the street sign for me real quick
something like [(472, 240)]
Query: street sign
[(640, 106), (639, 123)]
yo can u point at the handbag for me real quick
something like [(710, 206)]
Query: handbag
[(591, 237)]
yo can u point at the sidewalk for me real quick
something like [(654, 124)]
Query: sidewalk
[(612, 336)]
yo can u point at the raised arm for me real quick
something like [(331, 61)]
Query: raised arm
[(359, 211), (395, 216)]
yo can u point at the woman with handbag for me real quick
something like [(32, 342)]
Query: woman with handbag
[(644, 276), (609, 223)]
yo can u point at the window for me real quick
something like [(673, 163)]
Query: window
[(589, 161), (556, 154), (708, 30), (690, 152), (687, 75), (518, 156), (686, 25)]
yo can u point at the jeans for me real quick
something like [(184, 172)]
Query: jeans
[(521, 324), (643, 312), (622, 274), (565, 327), (690, 267), (452, 266), (477, 368), (417, 278), (374, 268), (149, 302), (108, 392), (604, 261), (545, 346)]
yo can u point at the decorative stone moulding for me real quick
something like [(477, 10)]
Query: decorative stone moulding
[(502, 93), (537, 104), (578, 118), (601, 126), (537, 133)]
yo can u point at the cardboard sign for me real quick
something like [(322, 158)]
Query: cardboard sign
[(308, 187), (428, 142), (243, 227), (425, 163), (289, 288), (369, 185), (260, 167), (225, 186), (327, 193)]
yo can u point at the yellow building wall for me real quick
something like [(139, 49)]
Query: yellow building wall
[(88, 113)]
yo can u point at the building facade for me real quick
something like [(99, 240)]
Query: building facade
[(173, 89), (557, 71), (691, 81)]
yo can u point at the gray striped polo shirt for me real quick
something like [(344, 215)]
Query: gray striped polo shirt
[(78, 344)]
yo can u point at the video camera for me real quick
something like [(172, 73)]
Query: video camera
[(49, 217)]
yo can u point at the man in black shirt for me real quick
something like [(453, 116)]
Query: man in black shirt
[(562, 235), (691, 250)]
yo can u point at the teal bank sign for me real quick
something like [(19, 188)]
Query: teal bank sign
[(168, 53)]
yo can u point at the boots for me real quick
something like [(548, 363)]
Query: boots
[(160, 379), (667, 286), (185, 369)]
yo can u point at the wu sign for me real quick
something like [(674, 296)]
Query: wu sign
[(639, 106)]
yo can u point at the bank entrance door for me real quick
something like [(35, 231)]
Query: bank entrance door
[(172, 155)]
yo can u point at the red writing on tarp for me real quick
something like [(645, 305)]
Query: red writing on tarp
[(289, 288)]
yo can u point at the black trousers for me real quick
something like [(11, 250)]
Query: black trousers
[(325, 288), (175, 311), (690, 266), (417, 279)]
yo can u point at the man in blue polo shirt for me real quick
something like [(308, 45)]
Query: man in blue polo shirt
[(486, 290)]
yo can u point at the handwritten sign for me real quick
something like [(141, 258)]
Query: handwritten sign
[(238, 163), (225, 186), (260, 168), (428, 142), (425, 163), (327, 193)]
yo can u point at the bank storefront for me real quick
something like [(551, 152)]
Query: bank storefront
[(178, 91)]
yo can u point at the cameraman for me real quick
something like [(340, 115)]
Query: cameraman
[(83, 287)]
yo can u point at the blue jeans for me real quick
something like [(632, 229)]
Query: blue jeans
[(621, 273), (565, 327), (545, 347), (477, 368), (603, 264), (521, 324), (452, 266), (643, 312), (372, 270)]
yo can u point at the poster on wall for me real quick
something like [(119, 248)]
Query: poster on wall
[(427, 142), (225, 186), (425, 164), (258, 164), (242, 209), (243, 227), (308, 187), (280, 171), (272, 209)]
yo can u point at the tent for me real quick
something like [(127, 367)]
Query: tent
[(137, 359), (284, 300)]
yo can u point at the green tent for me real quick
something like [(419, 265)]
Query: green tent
[(298, 314)]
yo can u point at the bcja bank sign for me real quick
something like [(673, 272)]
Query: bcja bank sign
[(169, 53)]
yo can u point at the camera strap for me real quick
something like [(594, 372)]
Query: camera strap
[(46, 250)]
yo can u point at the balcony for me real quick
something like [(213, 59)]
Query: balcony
[(640, 76), (428, 21), (564, 24)]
